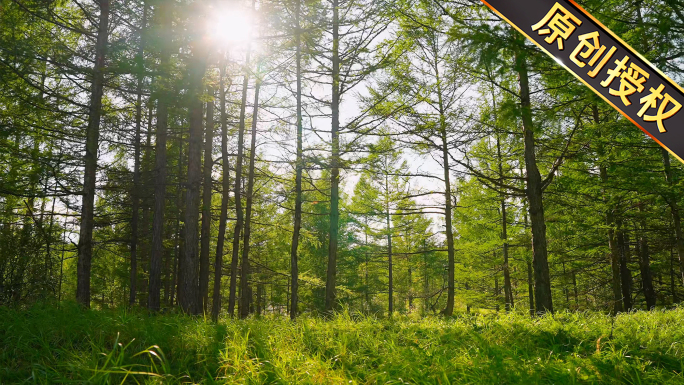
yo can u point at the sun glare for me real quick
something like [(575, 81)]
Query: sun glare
[(230, 26)]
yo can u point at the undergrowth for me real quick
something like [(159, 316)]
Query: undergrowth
[(50, 345)]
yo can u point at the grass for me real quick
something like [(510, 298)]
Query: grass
[(47, 345)]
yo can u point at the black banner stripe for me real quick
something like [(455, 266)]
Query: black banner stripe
[(564, 30)]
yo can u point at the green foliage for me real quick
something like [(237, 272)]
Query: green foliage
[(46, 344)]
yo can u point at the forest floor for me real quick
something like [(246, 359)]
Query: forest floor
[(50, 345)]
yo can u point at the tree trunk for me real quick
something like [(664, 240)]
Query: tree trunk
[(218, 262), (390, 298), (614, 261), (61, 264), (508, 290), (673, 284), (449, 309), (331, 274), (188, 272), (530, 287), (206, 206), (238, 193), (625, 274), (409, 280), (575, 291), (245, 288), (178, 246), (542, 279), (645, 264), (294, 269), (610, 221), (136, 163), (365, 267), (426, 280), (85, 240), (168, 257), (530, 274), (153, 299)]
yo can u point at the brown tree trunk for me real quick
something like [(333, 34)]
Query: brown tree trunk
[(238, 192), (153, 299), (135, 193), (542, 278), (331, 274), (294, 269), (85, 240), (245, 288), (218, 262), (188, 298), (206, 206)]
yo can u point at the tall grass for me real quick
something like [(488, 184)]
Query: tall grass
[(47, 345)]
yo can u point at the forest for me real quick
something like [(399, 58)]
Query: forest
[(391, 170)]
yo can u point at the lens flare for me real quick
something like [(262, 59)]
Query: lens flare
[(230, 26)]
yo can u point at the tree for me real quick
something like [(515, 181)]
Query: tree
[(218, 261), (165, 13), (207, 192), (85, 240), (245, 289), (294, 269), (188, 298)]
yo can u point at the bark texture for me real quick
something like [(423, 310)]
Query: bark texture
[(331, 274), (237, 231), (135, 193), (542, 278), (207, 188), (294, 268), (218, 261), (245, 288), (85, 240), (153, 301), (188, 298)]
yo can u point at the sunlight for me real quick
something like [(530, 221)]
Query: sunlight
[(230, 26)]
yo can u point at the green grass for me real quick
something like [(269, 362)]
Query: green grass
[(46, 345)]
